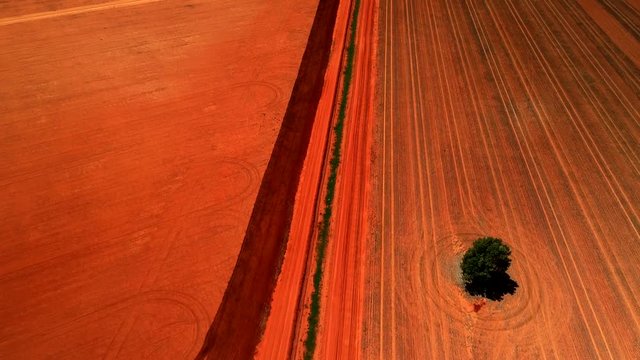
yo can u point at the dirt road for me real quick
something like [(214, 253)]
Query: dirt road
[(341, 316), (286, 323), (339, 333), (517, 120), (134, 136)]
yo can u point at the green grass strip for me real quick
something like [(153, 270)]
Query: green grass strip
[(314, 311)]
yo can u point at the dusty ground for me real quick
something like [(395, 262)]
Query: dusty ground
[(517, 119), (134, 135), (286, 324), (339, 333)]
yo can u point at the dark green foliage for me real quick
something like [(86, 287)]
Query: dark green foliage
[(487, 256), (323, 233), (484, 269)]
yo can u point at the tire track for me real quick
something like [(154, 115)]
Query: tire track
[(532, 159), (433, 31), (388, 111), (614, 30), (383, 181), (612, 265), (429, 181), (511, 113), (480, 116), (611, 53), (590, 57), (387, 98), (581, 128), (623, 17), (488, 71), (633, 6), (626, 148), (392, 203), (529, 90), (446, 99), (434, 346)]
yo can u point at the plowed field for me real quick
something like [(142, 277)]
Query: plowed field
[(134, 136), (516, 119)]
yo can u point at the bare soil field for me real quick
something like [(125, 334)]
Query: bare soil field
[(134, 136), (515, 119)]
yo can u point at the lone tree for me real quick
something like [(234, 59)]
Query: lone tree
[(484, 269)]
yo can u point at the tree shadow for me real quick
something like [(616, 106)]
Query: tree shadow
[(493, 288)]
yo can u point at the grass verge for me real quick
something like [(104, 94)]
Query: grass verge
[(334, 163)]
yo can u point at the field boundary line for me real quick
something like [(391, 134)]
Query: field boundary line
[(111, 5), (238, 323)]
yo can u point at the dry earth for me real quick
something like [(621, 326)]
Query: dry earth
[(340, 324), (517, 119), (285, 327), (134, 135)]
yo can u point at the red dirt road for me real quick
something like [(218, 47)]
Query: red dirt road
[(517, 119), (285, 325), (134, 136), (341, 317), (340, 331)]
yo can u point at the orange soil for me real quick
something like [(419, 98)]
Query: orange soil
[(342, 289), (239, 323), (25, 10), (517, 120), (341, 316), (285, 322), (614, 28), (134, 136)]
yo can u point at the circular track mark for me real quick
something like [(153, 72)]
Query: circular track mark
[(513, 312)]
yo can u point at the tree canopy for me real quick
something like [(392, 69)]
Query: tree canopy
[(484, 269)]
